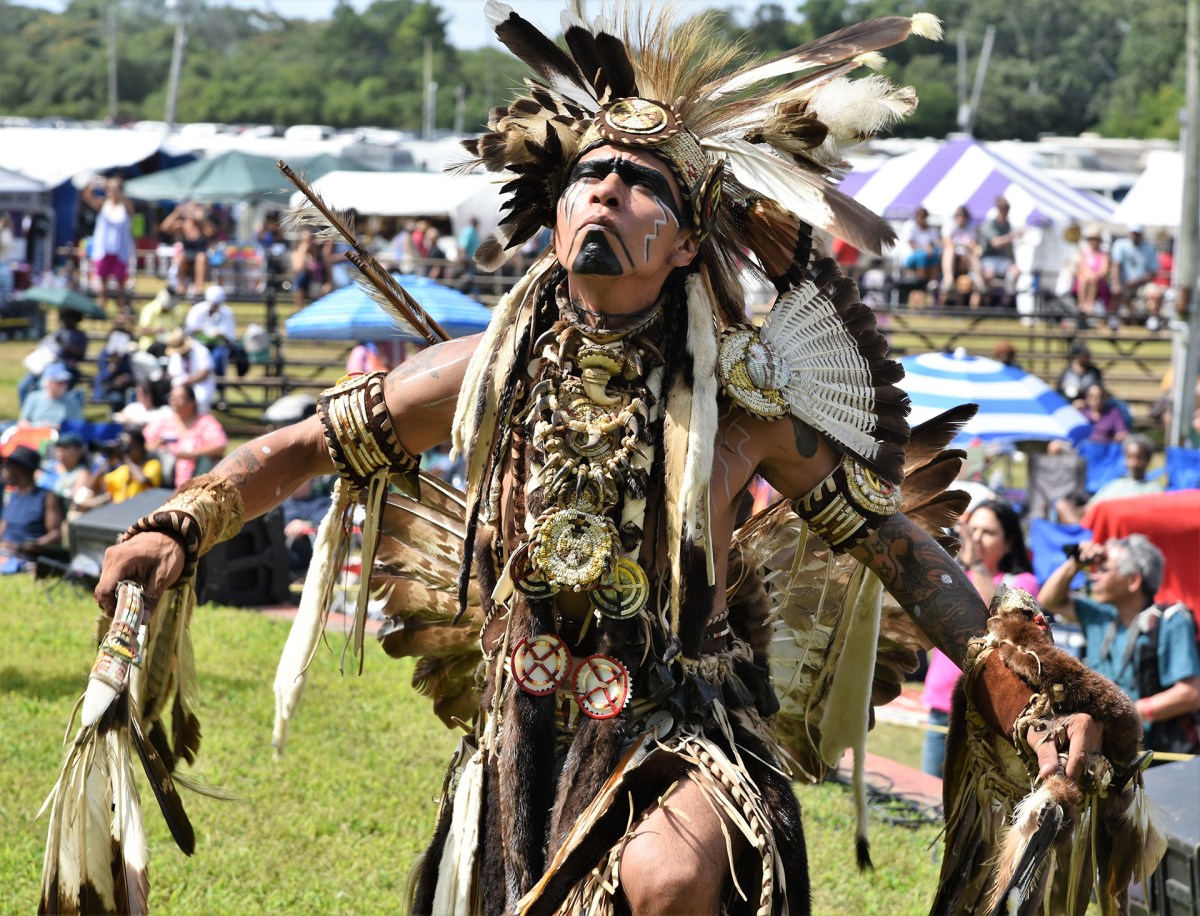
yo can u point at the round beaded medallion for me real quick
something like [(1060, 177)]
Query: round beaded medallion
[(869, 490), (628, 592), (601, 686), (572, 549), (753, 374), (540, 664)]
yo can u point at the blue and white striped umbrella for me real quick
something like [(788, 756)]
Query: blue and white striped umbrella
[(1013, 404)]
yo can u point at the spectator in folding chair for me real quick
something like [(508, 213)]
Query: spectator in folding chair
[(53, 403), (68, 469), (1138, 451), (31, 522), (1107, 419)]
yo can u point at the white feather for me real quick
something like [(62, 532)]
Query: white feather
[(1151, 825), (853, 109), (765, 172), (927, 25), (702, 429), (309, 623)]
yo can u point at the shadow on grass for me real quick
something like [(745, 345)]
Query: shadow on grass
[(41, 687)]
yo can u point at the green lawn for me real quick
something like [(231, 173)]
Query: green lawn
[(334, 827)]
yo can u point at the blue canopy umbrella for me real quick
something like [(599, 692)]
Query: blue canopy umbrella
[(1013, 404), (349, 313)]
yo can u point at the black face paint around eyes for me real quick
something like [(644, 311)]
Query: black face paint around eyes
[(631, 173)]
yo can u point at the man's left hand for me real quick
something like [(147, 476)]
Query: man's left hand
[(1078, 735)]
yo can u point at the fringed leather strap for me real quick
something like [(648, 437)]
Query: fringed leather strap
[(845, 507), (205, 511)]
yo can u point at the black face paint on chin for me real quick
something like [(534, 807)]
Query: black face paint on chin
[(631, 173), (596, 257)]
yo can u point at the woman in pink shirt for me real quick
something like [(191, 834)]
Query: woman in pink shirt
[(186, 435), (994, 553)]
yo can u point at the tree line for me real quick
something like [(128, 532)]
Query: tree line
[(1056, 66)]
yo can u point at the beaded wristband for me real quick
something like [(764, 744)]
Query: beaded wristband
[(358, 430), (845, 507), (205, 511)]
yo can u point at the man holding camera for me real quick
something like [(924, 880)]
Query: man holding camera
[(1150, 652)]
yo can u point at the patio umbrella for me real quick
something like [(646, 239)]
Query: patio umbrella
[(350, 314), (60, 297), (1013, 404)]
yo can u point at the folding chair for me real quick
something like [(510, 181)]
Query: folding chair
[(1052, 477), (1183, 468), (1105, 462)]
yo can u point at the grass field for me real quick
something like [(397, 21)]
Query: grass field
[(334, 826)]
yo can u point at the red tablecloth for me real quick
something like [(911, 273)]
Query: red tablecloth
[(1172, 522)]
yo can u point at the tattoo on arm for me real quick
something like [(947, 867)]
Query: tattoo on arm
[(928, 583), (420, 363), (241, 464), (805, 437)]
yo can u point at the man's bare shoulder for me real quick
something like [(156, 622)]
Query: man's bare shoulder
[(792, 455), (422, 391)]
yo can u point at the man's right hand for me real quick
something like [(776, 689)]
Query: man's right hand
[(152, 560)]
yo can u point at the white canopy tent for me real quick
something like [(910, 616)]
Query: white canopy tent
[(1156, 198), (416, 194), (20, 192), (53, 156)]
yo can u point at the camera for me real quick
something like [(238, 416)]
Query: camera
[(1072, 551)]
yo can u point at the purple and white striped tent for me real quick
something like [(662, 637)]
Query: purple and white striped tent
[(964, 171)]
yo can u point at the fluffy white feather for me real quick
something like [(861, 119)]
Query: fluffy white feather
[(855, 109)]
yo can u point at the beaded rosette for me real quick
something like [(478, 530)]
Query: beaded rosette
[(753, 374)]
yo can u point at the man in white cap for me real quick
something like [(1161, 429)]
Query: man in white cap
[(190, 363), (213, 324), (1134, 263)]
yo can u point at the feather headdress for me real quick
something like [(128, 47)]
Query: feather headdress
[(735, 135)]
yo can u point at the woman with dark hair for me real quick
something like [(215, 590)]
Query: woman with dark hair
[(186, 439), (993, 553)]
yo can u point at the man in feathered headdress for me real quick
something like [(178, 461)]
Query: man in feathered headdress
[(611, 638)]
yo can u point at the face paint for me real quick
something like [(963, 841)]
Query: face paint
[(596, 256), (618, 216), (630, 172)]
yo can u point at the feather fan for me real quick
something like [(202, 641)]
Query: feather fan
[(840, 379)]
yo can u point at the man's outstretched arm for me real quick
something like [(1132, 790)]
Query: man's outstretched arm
[(420, 396), (935, 591), (928, 583)]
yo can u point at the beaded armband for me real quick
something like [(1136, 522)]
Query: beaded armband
[(205, 511), (848, 505), (358, 430)]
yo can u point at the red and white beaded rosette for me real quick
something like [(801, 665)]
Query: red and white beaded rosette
[(540, 664), (601, 686)]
